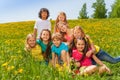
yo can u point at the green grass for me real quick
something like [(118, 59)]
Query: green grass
[(104, 32)]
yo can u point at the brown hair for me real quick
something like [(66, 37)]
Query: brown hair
[(57, 36), (86, 48), (43, 10), (48, 32), (47, 53)]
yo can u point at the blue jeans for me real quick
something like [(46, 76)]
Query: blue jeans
[(103, 56)]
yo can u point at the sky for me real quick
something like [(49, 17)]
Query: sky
[(27, 10)]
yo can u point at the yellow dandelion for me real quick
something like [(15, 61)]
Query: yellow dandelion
[(20, 70), (10, 68), (57, 65), (5, 64)]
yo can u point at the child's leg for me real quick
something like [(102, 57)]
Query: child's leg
[(102, 55), (89, 70), (103, 69)]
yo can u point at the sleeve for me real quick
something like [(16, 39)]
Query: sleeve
[(65, 48), (35, 26), (49, 25), (38, 41)]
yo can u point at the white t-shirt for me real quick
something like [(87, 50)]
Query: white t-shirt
[(42, 24)]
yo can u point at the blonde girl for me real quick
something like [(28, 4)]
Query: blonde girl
[(61, 19), (33, 48), (66, 33), (60, 50)]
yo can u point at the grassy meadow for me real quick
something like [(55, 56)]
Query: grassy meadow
[(16, 64)]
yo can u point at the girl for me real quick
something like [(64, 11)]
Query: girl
[(33, 48), (43, 23), (45, 42), (61, 19), (66, 33), (60, 50), (84, 62), (102, 55)]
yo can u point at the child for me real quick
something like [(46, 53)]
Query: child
[(102, 55), (61, 19), (45, 42), (60, 50), (84, 62), (33, 48), (43, 23), (66, 33)]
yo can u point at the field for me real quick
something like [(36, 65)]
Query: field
[(15, 64)]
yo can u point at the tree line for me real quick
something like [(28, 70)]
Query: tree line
[(100, 10)]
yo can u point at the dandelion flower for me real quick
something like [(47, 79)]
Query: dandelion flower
[(5, 64)]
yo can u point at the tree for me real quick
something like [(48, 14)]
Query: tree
[(100, 9), (83, 12), (115, 13)]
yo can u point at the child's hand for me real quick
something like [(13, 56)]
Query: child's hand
[(89, 53)]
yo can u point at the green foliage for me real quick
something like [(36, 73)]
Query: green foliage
[(83, 12), (100, 10), (115, 13)]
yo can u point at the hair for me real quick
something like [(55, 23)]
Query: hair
[(86, 48), (27, 47), (79, 28), (73, 42), (61, 13), (57, 36), (43, 10), (48, 49), (57, 20)]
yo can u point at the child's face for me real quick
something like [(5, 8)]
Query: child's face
[(77, 33), (31, 42), (56, 42), (63, 28), (80, 45), (45, 35), (61, 18), (44, 15)]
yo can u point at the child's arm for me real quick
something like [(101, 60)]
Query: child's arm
[(68, 59), (53, 59), (35, 32), (97, 60), (88, 54)]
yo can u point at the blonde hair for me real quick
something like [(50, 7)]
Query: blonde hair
[(57, 23), (61, 13), (27, 47), (79, 28), (57, 36)]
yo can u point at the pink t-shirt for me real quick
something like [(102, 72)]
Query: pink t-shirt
[(77, 56), (67, 37)]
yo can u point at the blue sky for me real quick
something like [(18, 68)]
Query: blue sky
[(25, 10)]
